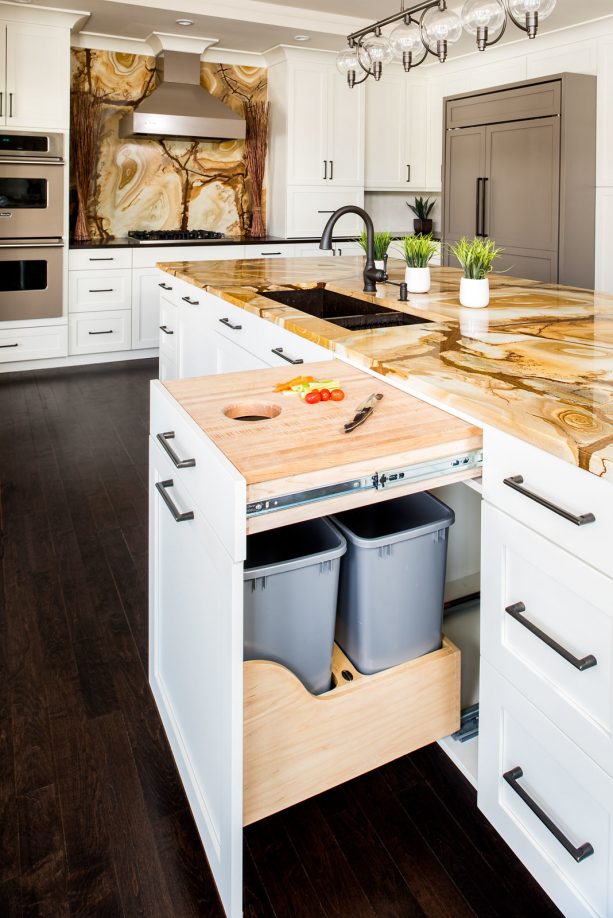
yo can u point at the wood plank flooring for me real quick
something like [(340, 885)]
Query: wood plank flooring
[(93, 820)]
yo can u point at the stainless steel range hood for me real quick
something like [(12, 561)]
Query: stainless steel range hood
[(180, 107)]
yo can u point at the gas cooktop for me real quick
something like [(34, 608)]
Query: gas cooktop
[(142, 237)]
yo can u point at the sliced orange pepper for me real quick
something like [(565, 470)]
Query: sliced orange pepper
[(297, 381)]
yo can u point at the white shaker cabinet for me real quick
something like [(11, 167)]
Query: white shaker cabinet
[(145, 307), (397, 132), (34, 75)]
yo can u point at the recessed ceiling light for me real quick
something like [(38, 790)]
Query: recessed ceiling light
[(302, 37), (183, 22)]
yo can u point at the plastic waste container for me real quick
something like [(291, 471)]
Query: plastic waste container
[(390, 603), (290, 593)]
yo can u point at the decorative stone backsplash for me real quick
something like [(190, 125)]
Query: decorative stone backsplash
[(164, 184)]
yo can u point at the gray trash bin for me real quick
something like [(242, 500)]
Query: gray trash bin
[(290, 593), (390, 603)]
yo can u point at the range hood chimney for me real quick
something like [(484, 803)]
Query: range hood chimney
[(179, 107)]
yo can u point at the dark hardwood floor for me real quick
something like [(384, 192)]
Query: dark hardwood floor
[(93, 820)]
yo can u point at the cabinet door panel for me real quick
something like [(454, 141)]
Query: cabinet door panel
[(523, 188), (534, 265), (37, 76), (145, 308), (345, 147), (308, 125), (464, 164), (232, 358), (415, 157), (3, 97), (195, 667), (386, 131)]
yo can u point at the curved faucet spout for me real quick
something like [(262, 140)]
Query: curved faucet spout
[(371, 274)]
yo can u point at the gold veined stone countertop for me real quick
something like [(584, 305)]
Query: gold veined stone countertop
[(537, 363)]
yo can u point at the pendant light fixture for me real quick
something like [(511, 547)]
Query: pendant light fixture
[(430, 27)]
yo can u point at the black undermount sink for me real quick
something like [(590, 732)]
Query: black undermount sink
[(346, 311)]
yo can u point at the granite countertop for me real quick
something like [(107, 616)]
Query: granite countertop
[(123, 242), (537, 363)]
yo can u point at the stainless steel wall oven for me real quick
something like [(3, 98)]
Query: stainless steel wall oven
[(32, 176)]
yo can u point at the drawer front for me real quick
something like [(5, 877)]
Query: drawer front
[(33, 343), (576, 796), (536, 101), (270, 251), (567, 488), (195, 464), (101, 332), (169, 328), (311, 250), (90, 291), (99, 259), (147, 256), (309, 209), (167, 367), (547, 625)]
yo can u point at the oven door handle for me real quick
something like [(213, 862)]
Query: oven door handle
[(41, 161), (31, 245)]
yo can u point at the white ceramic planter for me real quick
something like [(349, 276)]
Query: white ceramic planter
[(474, 293), (418, 279)]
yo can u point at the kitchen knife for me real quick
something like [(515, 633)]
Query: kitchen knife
[(363, 411)]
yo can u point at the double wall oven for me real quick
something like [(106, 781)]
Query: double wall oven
[(32, 177)]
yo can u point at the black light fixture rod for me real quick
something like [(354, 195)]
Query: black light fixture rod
[(395, 17)]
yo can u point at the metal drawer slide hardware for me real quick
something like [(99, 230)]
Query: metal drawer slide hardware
[(579, 854), (516, 611), (390, 478), (516, 482), (163, 439), (176, 513), (469, 724)]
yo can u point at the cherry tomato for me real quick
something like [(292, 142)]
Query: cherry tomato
[(313, 397), (337, 395), (326, 395)]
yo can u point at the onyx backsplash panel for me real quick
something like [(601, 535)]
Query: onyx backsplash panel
[(164, 184)]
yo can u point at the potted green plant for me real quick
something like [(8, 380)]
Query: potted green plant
[(382, 244), (418, 252), (476, 257), (422, 208)]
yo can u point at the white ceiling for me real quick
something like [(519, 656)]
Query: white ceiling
[(256, 26)]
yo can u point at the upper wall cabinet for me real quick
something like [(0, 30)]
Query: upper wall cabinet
[(34, 75), (397, 132), (325, 127)]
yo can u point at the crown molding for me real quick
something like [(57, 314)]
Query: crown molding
[(190, 44), (280, 53), (42, 15), (119, 44)]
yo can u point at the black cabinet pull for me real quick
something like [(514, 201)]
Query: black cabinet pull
[(578, 854), (109, 332), (228, 324), (1, 107), (105, 290), (165, 286), (331, 169), (186, 299), (163, 439), (279, 352), (408, 172), (166, 330), (177, 515), (478, 209), (326, 211), (325, 169), (483, 190), (10, 104), (10, 345), (110, 258), (516, 611), (516, 482), (265, 254)]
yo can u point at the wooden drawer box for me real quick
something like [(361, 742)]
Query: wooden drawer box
[(571, 605), (46, 341), (90, 291), (100, 332), (297, 744), (568, 488), (99, 259), (572, 792)]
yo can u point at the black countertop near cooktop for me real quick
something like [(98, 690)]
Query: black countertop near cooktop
[(122, 242)]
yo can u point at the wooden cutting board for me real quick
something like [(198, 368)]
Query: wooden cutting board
[(305, 444)]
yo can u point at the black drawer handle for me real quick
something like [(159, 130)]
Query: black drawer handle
[(516, 611), (165, 286), (326, 211), (579, 854), (109, 332), (279, 352), (177, 515), (166, 330), (10, 345), (110, 258), (163, 439), (266, 254), (186, 299), (516, 482), (105, 290), (228, 324)]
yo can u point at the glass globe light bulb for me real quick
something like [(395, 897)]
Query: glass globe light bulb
[(483, 14), (347, 60), (442, 25), (522, 8), (406, 39), (376, 50)]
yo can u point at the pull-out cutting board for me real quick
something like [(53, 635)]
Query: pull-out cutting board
[(305, 446)]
